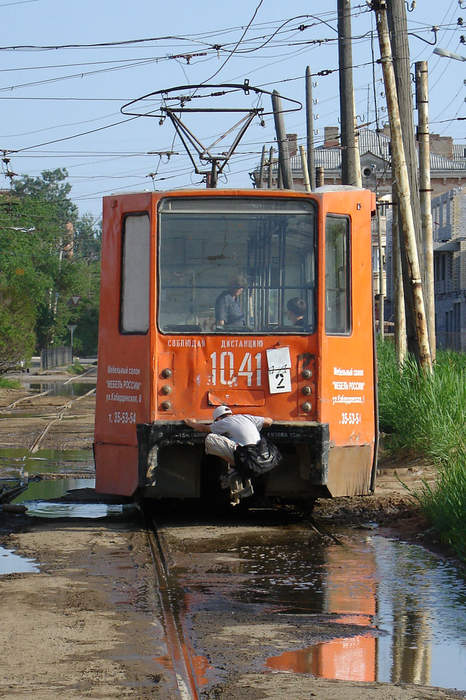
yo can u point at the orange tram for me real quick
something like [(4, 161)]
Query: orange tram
[(167, 258)]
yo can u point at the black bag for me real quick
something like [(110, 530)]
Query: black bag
[(255, 460)]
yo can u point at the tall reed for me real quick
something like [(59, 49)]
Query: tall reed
[(425, 415)]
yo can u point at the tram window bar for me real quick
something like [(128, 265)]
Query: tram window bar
[(238, 205)]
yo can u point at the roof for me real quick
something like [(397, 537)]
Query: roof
[(376, 144), (448, 246)]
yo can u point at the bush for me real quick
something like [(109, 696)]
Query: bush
[(76, 368)]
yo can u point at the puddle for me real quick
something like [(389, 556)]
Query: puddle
[(46, 509), (70, 389), (41, 497), (50, 489), (11, 563), (16, 461), (409, 604), (413, 602)]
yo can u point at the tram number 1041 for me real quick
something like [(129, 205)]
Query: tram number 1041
[(223, 370)]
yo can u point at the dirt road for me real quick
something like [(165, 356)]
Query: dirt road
[(87, 624)]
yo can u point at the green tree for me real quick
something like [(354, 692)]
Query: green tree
[(49, 257)]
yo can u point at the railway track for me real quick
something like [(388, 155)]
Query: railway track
[(39, 420), (167, 549), (178, 645)]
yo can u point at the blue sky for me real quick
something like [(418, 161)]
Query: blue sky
[(49, 97)]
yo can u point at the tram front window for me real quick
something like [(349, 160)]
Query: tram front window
[(236, 265)]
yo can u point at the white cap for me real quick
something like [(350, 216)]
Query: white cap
[(221, 411)]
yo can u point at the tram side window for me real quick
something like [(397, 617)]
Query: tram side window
[(337, 275), (134, 308)]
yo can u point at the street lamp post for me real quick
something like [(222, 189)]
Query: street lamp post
[(71, 328), (448, 54)]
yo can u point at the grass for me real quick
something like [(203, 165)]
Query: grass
[(9, 383), (444, 505), (76, 368), (425, 415)]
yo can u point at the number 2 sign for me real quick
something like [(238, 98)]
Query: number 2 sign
[(279, 366)]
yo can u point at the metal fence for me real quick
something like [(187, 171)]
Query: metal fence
[(59, 356)]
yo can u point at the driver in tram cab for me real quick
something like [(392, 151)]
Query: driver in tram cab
[(296, 311), (228, 311)]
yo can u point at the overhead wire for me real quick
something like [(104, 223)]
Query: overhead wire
[(244, 51)]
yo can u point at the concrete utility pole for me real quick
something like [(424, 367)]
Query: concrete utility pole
[(310, 131), (270, 172), (262, 168), (400, 172), (398, 26), (349, 152), (422, 105), (307, 184), (283, 153)]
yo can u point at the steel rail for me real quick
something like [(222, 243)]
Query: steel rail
[(56, 419), (175, 638)]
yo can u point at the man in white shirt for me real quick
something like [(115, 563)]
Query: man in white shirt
[(225, 433), (229, 430)]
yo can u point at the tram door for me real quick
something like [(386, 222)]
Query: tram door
[(346, 340)]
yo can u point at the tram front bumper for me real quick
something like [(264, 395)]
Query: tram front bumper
[(170, 451)]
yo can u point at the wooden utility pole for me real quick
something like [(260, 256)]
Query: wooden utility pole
[(349, 152), (398, 293), (381, 278), (310, 130), (422, 105), (357, 159), (283, 152), (398, 27), (320, 176), (400, 172)]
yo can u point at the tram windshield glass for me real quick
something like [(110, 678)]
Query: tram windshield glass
[(237, 265)]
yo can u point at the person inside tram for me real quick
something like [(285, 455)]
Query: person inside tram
[(296, 311), (228, 311)]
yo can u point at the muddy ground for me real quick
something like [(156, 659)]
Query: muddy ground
[(87, 624)]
